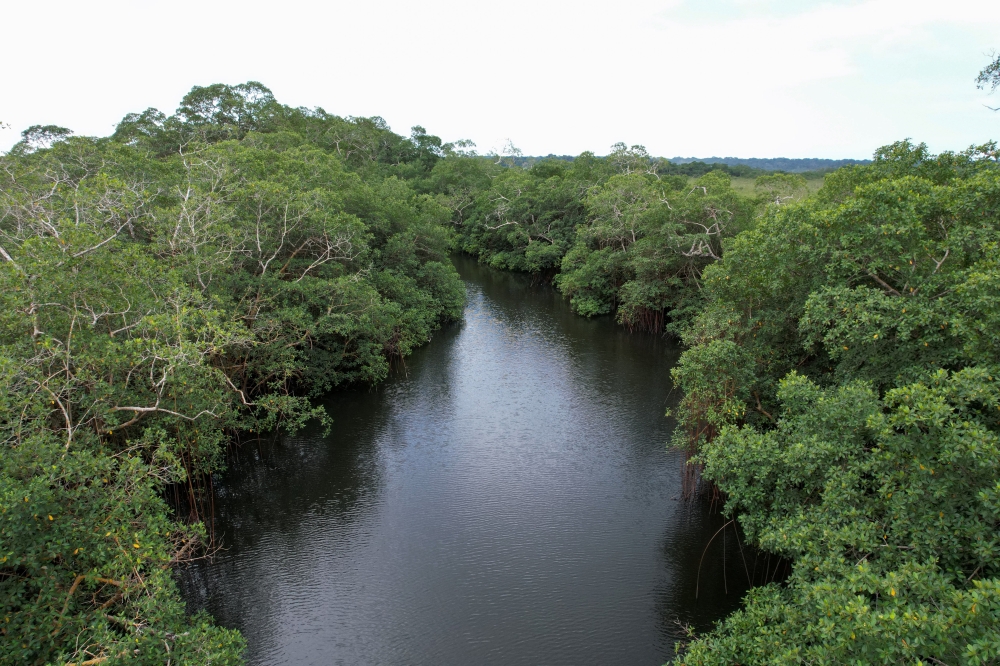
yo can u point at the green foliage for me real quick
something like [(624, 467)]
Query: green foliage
[(620, 235), (187, 279), (645, 244), (780, 186), (209, 272), (717, 377), (841, 389), (515, 219), (888, 509)]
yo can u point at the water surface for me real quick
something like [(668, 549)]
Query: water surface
[(507, 499)]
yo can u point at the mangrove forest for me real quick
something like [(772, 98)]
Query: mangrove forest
[(819, 350)]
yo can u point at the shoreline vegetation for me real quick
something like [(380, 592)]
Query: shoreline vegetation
[(198, 278)]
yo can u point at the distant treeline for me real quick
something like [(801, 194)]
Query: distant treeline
[(738, 167), (787, 164)]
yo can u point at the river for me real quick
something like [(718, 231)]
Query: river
[(507, 498)]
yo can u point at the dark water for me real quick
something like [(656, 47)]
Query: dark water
[(509, 500)]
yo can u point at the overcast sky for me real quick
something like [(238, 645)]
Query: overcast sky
[(747, 78)]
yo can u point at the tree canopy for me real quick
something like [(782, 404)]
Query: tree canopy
[(200, 277), (190, 279), (842, 389)]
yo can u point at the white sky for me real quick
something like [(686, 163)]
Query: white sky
[(748, 78)]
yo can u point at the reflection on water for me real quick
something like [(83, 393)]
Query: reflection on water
[(507, 500)]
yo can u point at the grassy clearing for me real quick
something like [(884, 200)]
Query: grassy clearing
[(745, 186)]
